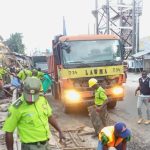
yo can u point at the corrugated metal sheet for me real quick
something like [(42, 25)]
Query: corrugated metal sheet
[(139, 54)]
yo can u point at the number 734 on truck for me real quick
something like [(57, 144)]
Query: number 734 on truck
[(76, 59)]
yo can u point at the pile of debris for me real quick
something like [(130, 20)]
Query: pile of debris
[(4, 103)]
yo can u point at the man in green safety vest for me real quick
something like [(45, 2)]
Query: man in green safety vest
[(40, 73), (23, 74), (98, 112), (31, 115)]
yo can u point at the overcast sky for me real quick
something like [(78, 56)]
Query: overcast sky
[(40, 20)]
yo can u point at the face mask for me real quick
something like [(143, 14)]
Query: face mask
[(31, 98)]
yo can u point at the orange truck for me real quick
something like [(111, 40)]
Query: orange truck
[(76, 59)]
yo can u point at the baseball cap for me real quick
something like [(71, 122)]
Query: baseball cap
[(122, 130), (31, 89)]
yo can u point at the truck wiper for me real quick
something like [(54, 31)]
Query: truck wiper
[(108, 62), (80, 63)]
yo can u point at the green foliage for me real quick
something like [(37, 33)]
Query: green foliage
[(15, 43)]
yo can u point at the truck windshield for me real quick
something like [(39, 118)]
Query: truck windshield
[(92, 51), (40, 62)]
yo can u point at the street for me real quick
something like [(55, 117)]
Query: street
[(78, 128), (125, 111)]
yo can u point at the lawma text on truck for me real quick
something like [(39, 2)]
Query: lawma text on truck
[(76, 59)]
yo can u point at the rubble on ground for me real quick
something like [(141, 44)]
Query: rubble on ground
[(3, 114), (76, 139)]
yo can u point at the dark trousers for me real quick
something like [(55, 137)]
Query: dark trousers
[(37, 146)]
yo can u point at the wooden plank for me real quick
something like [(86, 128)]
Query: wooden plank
[(75, 142)]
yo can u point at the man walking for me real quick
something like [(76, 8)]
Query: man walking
[(115, 137), (98, 112), (31, 115), (144, 97)]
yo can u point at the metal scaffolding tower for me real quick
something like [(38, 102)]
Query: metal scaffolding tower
[(121, 18)]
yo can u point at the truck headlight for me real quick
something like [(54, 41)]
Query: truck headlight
[(72, 95), (117, 90)]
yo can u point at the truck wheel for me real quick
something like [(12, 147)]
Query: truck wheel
[(112, 104), (67, 109)]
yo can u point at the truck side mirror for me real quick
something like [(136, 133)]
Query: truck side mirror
[(57, 55), (122, 47), (66, 47)]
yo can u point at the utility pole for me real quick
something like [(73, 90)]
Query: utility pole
[(137, 34), (95, 14), (64, 26), (137, 14), (88, 28), (133, 28)]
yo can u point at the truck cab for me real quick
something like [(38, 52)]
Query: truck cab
[(76, 59)]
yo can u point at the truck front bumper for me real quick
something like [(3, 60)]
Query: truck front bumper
[(72, 97)]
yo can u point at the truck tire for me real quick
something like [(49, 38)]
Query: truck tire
[(67, 109), (112, 104)]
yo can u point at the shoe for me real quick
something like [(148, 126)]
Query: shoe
[(140, 120), (146, 122)]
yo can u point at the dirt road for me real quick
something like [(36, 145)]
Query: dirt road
[(78, 128), (125, 111)]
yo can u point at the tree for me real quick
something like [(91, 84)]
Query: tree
[(15, 43)]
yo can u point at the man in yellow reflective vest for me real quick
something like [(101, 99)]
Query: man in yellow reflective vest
[(98, 112), (115, 136), (23, 74), (31, 115), (34, 73), (40, 73)]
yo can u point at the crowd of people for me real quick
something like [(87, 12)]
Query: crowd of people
[(14, 77)]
